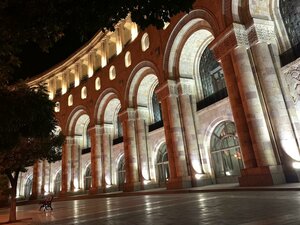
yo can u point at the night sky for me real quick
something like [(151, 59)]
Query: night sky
[(34, 61)]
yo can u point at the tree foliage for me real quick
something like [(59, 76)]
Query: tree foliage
[(27, 127), (44, 22), (27, 133)]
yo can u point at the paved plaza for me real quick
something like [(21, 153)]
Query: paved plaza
[(211, 208)]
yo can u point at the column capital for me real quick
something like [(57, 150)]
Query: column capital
[(127, 114), (186, 86), (169, 88), (261, 31), (96, 129), (69, 139), (235, 35)]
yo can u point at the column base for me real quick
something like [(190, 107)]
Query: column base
[(262, 176), (179, 183), (201, 180), (130, 187)]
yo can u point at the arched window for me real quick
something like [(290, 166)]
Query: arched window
[(211, 74), (28, 187), (112, 72), (88, 178), (225, 150), (57, 183), (145, 42), (156, 108), (127, 59), (291, 17), (57, 107), (97, 84), (121, 173), (70, 100), (120, 129), (162, 165), (83, 92)]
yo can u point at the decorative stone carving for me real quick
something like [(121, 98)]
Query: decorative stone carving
[(292, 76), (261, 31)]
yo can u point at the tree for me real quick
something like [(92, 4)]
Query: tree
[(44, 22), (27, 133)]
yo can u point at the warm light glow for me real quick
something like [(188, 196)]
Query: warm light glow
[(296, 165), (103, 61), (64, 88), (83, 92), (70, 100), (145, 173), (290, 149), (166, 24), (76, 185), (90, 71), (77, 81), (51, 95), (97, 84), (118, 47), (134, 31), (198, 176), (146, 182), (112, 73), (57, 107), (196, 166)]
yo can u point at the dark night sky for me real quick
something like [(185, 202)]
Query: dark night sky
[(34, 61)]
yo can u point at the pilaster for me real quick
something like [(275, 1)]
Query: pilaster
[(177, 155), (95, 136), (106, 136), (128, 119), (66, 165), (248, 107)]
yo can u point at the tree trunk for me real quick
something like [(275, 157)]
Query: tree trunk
[(13, 213), (13, 204)]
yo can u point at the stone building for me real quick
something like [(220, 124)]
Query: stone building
[(211, 98)]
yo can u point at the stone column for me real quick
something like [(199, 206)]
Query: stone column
[(66, 165), (253, 128), (94, 133), (45, 177), (106, 134), (127, 118), (104, 51), (75, 166), (179, 174), (188, 110), (37, 180), (262, 37), (142, 146), (91, 63)]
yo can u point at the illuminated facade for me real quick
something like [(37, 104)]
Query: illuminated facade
[(211, 98)]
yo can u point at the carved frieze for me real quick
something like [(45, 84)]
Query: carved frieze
[(292, 76)]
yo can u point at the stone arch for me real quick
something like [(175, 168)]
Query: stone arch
[(136, 76), (73, 117), (207, 135), (101, 104), (195, 20), (78, 125), (281, 33)]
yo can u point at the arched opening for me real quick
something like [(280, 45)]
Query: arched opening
[(28, 187), (162, 166), (121, 173), (211, 74), (225, 151), (88, 178), (289, 10), (57, 183), (145, 42)]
